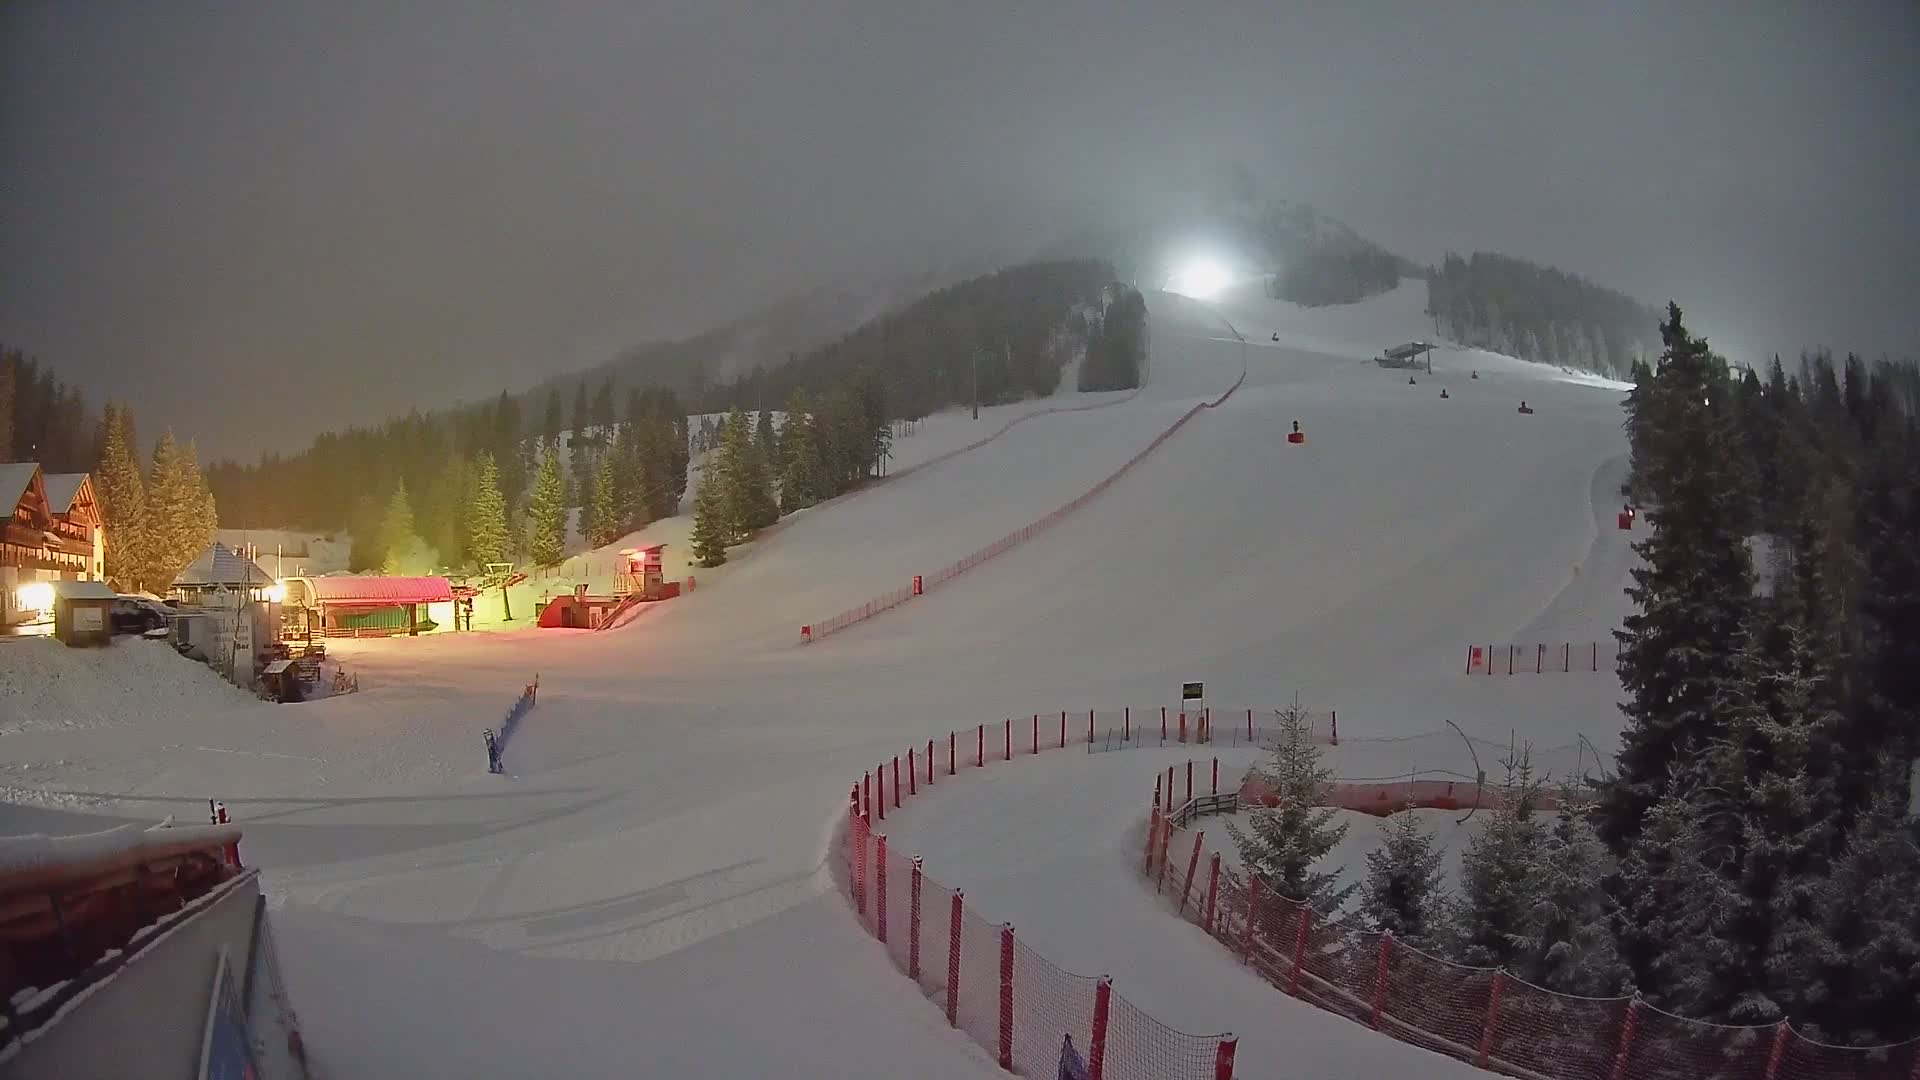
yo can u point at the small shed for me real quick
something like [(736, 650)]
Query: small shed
[(83, 612), (1408, 356)]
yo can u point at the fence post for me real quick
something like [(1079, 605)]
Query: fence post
[(1335, 722), (1153, 827), (1213, 888), (1253, 917), (1223, 1057), (953, 961), (1566, 656), (952, 757), (1206, 723), (913, 774), (880, 886), (1299, 948), (1183, 725), (859, 835), (980, 747), (1163, 723), (1193, 864), (1097, 1042), (896, 781), (1249, 727), (1006, 997), (1596, 656), (866, 783), (1540, 658), (1493, 1017), (880, 785), (1216, 776), (929, 762), (1036, 729), (1169, 789), (1166, 850), (1009, 737), (1189, 779), (1779, 1051), (1380, 977), (1126, 725), (1624, 1052), (913, 922)]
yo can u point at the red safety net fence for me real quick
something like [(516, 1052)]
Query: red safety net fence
[(1482, 1016), (815, 631), (1034, 1017), (1544, 658)]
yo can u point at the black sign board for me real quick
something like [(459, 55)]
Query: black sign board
[(1190, 692)]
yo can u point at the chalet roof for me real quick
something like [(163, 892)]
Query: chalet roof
[(219, 565), (14, 478), (62, 489)]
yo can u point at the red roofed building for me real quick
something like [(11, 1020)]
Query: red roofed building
[(53, 532), (354, 605)]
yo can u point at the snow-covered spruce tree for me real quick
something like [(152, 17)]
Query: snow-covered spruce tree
[(405, 552), (487, 540), (1283, 842), (766, 440), (1405, 891), (799, 457), (604, 519), (710, 527), (1499, 871), (1675, 906), (1567, 933), (1871, 914), (547, 512), (123, 501), (1693, 589)]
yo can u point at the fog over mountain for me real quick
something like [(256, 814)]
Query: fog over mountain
[(323, 214)]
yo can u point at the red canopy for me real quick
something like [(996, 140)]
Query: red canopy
[(369, 591)]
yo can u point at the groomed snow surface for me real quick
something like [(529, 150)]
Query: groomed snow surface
[(647, 892)]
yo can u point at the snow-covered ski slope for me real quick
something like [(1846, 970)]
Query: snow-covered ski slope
[(646, 893)]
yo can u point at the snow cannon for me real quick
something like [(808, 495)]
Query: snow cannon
[(1525, 410), (1295, 436)]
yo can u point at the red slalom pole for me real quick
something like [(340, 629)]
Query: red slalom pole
[(1006, 997), (953, 960), (913, 774), (1189, 779), (952, 757), (980, 747), (913, 922), (1126, 725), (1183, 725), (1223, 1057), (929, 762), (866, 784), (880, 782), (880, 886), (1009, 737), (896, 781), (1216, 776), (1163, 723), (1036, 732)]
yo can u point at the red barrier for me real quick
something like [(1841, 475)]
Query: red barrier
[(953, 960), (1482, 658), (880, 886), (913, 923), (1488, 1019)]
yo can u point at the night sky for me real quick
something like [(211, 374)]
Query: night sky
[(258, 220)]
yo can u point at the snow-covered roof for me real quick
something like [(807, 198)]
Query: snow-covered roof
[(84, 590), (373, 591), (14, 478), (219, 565), (62, 489)]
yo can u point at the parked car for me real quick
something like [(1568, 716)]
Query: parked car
[(138, 615)]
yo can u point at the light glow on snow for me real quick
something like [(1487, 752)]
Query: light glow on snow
[(35, 596), (1201, 277)]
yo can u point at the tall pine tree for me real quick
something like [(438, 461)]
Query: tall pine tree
[(123, 503), (1567, 942), (405, 553), (487, 539), (800, 457), (604, 518), (1694, 587), (710, 525), (1499, 870), (547, 512)]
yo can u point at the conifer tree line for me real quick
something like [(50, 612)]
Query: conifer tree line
[(1116, 342), (1538, 313), (1015, 330), (1337, 276), (1752, 858), (42, 418)]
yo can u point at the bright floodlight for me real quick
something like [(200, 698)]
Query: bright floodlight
[(35, 596), (1201, 278)]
